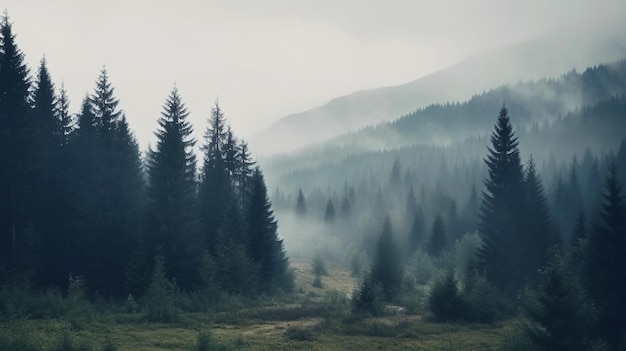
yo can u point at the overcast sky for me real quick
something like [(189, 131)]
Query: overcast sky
[(266, 59)]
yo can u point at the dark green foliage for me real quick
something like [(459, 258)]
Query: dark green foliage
[(563, 317), (329, 212), (16, 153), (300, 203), (437, 240), (386, 269), (538, 233), (444, 301), (265, 247), (159, 300), (319, 267), (215, 183), (368, 297), (606, 263), (500, 223), (206, 342), (171, 220), (482, 302)]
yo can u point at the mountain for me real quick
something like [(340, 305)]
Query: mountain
[(559, 51), (533, 104)]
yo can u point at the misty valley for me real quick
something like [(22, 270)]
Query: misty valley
[(497, 222)]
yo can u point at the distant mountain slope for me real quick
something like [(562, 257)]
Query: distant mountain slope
[(548, 55), (531, 104), (600, 127)]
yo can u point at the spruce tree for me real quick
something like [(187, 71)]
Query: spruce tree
[(265, 247), (215, 185), (437, 240), (606, 263), (119, 194), (171, 220), (243, 175), (563, 317), (15, 144), (499, 221), (300, 204), (386, 269), (538, 233), (329, 212)]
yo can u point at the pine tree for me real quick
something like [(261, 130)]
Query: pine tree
[(243, 174), (606, 263), (437, 240), (386, 269), (499, 221), (329, 212), (300, 204), (215, 185), (119, 192), (563, 317), (15, 144), (171, 219), (539, 236), (50, 180), (265, 247)]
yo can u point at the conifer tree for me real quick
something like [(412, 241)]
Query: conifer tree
[(386, 269), (437, 240), (606, 263), (171, 219), (300, 204), (539, 236), (499, 221), (329, 212), (215, 185), (265, 247), (15, 144), (243, 174), (563, 317)]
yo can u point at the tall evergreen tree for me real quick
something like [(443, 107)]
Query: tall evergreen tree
[(119, 192), (215, 186), (265, 247), (386, 269), (606, 263), (300, 204), (539, 234), (243, 174), (171, 220), (499, 221), (329, 212), (437, 240), (15, 145)]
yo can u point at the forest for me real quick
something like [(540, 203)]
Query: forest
[(495, 223)]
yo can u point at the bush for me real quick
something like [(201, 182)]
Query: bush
[(159, 299), (482, 301), (317, 282), (319, 267), (205, 342), (299, 334), (422, 267), (444, 301), (79, 310)]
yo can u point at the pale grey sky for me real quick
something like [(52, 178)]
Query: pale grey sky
[(266, 59)]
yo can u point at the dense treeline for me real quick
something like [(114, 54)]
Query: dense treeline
[(78, 199), (562, 250)]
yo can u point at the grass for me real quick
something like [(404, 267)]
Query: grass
[(312, 319)]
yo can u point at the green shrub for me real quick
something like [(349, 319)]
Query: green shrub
[(482, 301), (319, 267), (206, 342), (444, 301), (317, 282), (79, 311), (159, 300), (299, 334)]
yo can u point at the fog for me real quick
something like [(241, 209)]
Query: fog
[(264, 61)]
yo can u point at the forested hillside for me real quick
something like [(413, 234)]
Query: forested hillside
[(79, 202)]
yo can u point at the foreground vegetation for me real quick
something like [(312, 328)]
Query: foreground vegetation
[(311, 318)]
